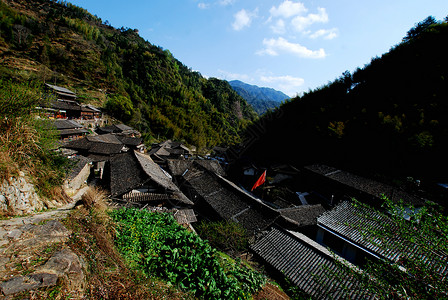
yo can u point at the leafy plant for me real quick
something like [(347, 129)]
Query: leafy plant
[(156, 244), (224, 235)]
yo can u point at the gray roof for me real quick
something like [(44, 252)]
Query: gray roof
[(123, 127), (105, 138), (178, 166), (132, 170), (304, 215), (67, 124), (101, 144), (60, 89), (81, 131), (65, 105), (306, 264), (154, 172), (79, 162), (229, 201), (355, 223), (129, 141), (349, 221), (365, 185), (118, 128)]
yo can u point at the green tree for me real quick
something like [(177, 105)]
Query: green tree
[(418, 29), (120, 107)]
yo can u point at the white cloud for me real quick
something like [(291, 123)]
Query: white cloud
[(226, 2), (288, 9), (203, 5), (274, 46), (288, 84), (300, 23), (234, 76), (243, 19), (327, 34), (279, 27)]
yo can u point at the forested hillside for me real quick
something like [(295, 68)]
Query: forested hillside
[(137, 82), (388, 117), (262, 99)]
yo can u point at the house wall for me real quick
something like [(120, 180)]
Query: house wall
[(80, 179)]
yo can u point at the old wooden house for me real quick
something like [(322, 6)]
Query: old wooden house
[(134, 177), (69, 130)]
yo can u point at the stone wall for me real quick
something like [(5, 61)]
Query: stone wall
[(18, 196)]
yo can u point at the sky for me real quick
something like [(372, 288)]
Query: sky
[(291, 46)]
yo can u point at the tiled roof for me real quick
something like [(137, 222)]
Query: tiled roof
[(306, 264), (65, 105), (60, 89), (125, 174), (79, 162), (304, 215), (101, 144), (73, 131), (355, 223), (123, 127), (67, 124), (117, 128), (129, 141), (105, 138), (348, 221), (185, 216), (132, 170), (228, 201), (365, 185)]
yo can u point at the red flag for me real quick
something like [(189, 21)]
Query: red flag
[(260, 181)]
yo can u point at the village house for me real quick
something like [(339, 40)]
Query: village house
[(79, 173), (169, 149), (337, 185), (69, 130), (120, 129), (134, 177), (101, 148), (348, 230), (66, 106), (216, 198)]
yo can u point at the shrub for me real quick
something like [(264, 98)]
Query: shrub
[(26, 141), (224, 235), (155, 243)]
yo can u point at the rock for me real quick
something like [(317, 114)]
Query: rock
[(16, 285), (44, 279), (14, 234), (67, 264), (3, 203), (18, 196)]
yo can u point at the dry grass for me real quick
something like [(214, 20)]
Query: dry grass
[(108, 276), (25, 141)]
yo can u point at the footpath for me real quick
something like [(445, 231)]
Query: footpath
[(34, 256)]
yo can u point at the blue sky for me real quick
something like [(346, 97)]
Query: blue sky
[(291, 46)]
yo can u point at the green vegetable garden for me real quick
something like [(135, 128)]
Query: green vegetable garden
[(155, 244)]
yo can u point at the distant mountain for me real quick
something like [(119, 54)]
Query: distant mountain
[(261, 98)]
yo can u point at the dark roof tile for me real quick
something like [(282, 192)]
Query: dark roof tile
[(306, 264)]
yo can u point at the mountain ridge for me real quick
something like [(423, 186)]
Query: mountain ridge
[(387, 118), (137, 82), (262, 99)]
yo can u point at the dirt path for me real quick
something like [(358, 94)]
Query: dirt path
[(34, 258)]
